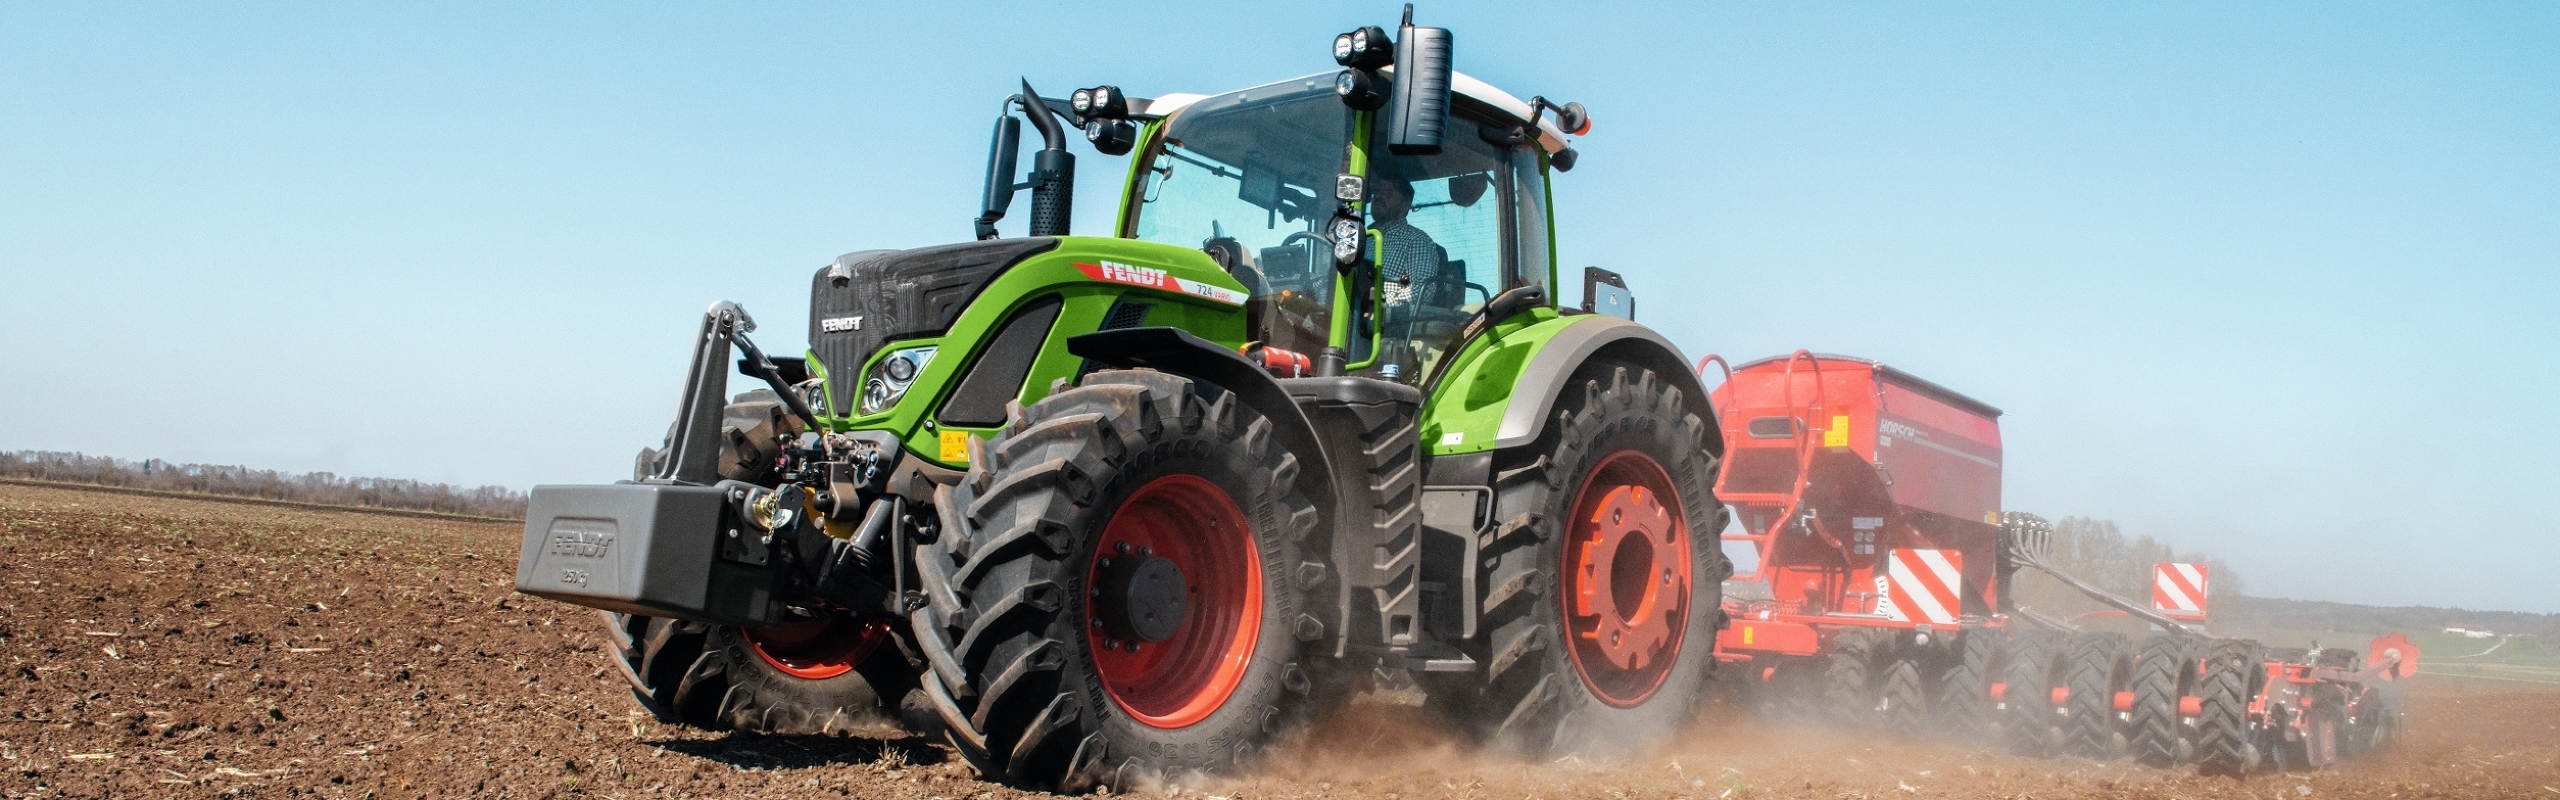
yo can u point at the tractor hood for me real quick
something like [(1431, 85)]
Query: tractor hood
[(870, 298)]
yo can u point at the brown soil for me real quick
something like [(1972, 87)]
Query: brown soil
[(170, 647)]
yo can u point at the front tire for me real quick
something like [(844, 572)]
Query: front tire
[(1601, 611), (1136, 599)]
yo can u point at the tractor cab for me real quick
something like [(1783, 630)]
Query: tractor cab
[(1252, 177)]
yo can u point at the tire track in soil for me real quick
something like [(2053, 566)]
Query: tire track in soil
[(162, 647)]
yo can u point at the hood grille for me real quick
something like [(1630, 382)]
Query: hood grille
[(870, 298)]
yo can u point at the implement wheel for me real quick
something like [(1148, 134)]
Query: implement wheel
[(1964, 705), (1849, 678), (1904, 699), (2026, 692), (1601, 612), (2234, 672), (2163, 675), (2098, 667), (1129, 555)]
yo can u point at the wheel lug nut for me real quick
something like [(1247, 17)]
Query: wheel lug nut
[(1111, 644), (1097, 623), (1146, 551), (1122, 547), (1106, 562), (1133, 648)]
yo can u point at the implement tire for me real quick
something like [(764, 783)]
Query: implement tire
[(1849, 678), (1964, 706), (1085, 666), (2162, 675), (1585, 650), (2026, 693), (2098, 666), (1904, 699), (2234, 670)]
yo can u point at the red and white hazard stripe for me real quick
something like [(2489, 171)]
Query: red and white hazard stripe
[(1923, 586), (2177, 590)]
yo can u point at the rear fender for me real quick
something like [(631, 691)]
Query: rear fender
[(1503, 388)]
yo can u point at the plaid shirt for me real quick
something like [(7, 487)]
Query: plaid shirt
[(1409, 257)]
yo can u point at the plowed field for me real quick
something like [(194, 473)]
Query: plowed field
[(160, 647)]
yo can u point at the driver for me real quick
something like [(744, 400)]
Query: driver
[(1407, 255)]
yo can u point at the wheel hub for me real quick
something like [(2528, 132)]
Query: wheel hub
[(1142, 598), (1174, 601), (1627, 578), (817, 648)]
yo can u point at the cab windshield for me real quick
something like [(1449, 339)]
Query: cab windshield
[(1247, 176)]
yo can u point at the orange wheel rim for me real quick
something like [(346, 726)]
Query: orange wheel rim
[(817, 649), (1626, 579), (1173, 656)]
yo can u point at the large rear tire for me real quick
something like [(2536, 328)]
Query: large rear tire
[(1129, 552), (1601, 610)]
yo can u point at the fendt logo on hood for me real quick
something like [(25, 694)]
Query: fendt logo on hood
[(840, 324)]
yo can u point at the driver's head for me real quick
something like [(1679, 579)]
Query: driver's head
[(1390, 197)]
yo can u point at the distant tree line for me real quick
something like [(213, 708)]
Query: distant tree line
[(309, 487), (2097, 552)]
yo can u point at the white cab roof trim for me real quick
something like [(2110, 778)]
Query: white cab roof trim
[(1549, 137)]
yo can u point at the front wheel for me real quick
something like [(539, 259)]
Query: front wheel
[(1601, 610), (1136, 601)]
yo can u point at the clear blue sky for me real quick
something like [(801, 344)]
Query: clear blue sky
[(2273, 281)]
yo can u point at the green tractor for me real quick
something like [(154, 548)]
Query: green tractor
[(1111, 510)]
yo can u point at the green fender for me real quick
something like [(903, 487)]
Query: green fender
[(1501, 389)]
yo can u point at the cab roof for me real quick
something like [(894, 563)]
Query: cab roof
[(1550, 137)]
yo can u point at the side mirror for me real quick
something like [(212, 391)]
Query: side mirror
[(1418, 103), (1001, 151)]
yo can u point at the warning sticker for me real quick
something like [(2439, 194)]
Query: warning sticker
[(955, 445), (1152, 278)]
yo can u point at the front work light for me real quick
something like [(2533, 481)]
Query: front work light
[(1110, 136), (1364, 49), (1347, 237), (1359, 89), (890, 380), (1104, 102)]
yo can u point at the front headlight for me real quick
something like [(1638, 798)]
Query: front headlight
[(890, 379)]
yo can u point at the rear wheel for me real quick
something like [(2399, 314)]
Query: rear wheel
[(2233, 671), (1601, 614), (2026, 692), (2162, 675), (1136, 596), (2099, 665)]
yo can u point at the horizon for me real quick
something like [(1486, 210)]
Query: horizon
[(2269, 282)]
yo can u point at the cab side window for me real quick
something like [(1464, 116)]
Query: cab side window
[(1454, 229)]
